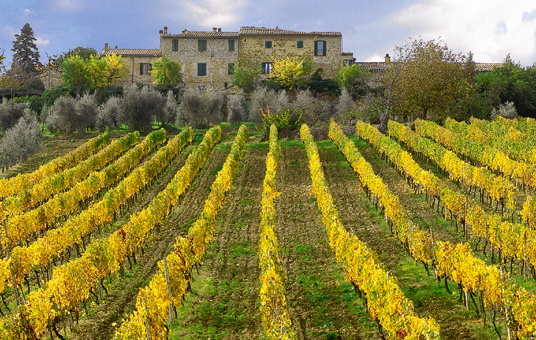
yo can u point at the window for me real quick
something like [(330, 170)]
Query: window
[(230, 69), (320, 48), (202, 69), (347, 62), (267, 68), (201, 45), (175, 44), (144, 69), (231, 45), (268, 44), (299, 44)]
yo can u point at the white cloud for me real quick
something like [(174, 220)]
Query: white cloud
[(490, 29), (70, 5), (214, 13), (41, 42)]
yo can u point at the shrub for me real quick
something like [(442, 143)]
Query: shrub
[(49, 96), (262, 100), (61, 115), (10, 113), (237, 108), (86, 112), (21, 141), (286, 121), (171, 109), (346, 103), (201, 108), (141, 107), (506, 110), (108, 113), (308, 105)]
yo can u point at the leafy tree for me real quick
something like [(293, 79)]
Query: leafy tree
[(318, 84), (246, 74), (80, 74), (26, 64), (432, 79), (20, 141), (237, 108), (382, 97), (141, 107), (353, 78), (107, 117), (69, 114), (201, 108), (171, 109), (510, 82), (10, 113), (346, 103), (166, 73), (75, 75), (291, 72), (84, 52), (103, 70)]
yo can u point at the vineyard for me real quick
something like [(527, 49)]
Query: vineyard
[(424, 233)]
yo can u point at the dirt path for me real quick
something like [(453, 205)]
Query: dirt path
[(120, 300), (223, 303)]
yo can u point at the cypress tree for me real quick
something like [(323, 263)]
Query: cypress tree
[(26, 65)]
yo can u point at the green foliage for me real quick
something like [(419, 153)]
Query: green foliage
[(284, 120), (49, 96), (318, 84), (510, 82), (75, 75), (353, 78), (166, 73), (80, 74), (26, 64), (246, 75), (432, 79), (35, 103)]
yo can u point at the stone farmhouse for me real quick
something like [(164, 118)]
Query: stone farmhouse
[(208, 58)]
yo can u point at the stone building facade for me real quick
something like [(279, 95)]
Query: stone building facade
[(208, 58), (138, 63)]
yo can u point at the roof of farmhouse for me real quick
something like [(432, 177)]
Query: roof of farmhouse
[(378, 66), (131, 52), (245, 30)]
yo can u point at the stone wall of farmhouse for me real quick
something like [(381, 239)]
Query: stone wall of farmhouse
[(216, 58), (253, 47), (132, 64)]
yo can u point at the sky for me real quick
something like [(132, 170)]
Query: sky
[(490, 29)]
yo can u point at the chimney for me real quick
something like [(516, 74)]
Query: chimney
[(214, 29), (219, 30), (387, 58), (165, 29)]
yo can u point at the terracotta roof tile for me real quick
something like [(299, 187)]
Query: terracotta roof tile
[(133, 52), (202, 34), (380, 66), (249, 30)]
